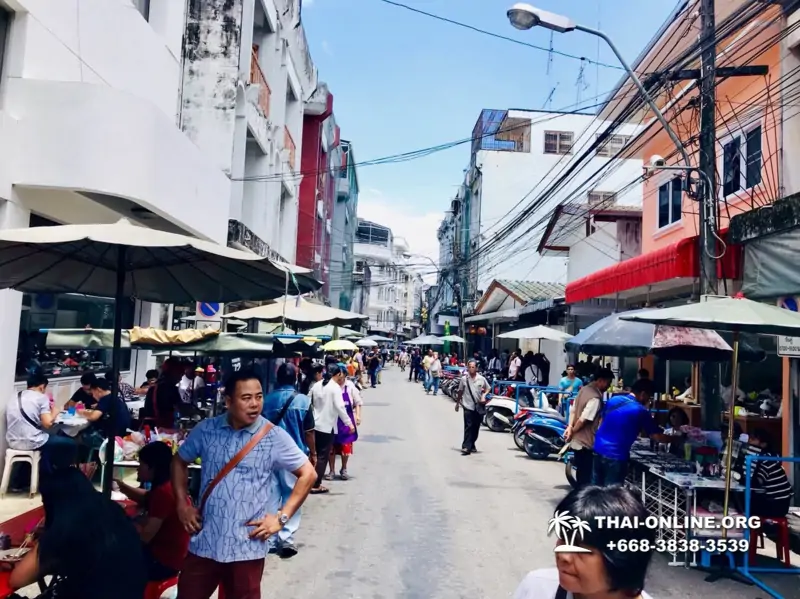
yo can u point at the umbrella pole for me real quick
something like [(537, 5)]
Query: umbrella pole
[(285, 299), (111, 440), (731, 421)]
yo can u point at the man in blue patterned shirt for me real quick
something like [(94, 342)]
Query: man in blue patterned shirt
[(290, 410), (242, 512)]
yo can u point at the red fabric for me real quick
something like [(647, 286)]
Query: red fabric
[(171, 543), (236, 580), (675, 261)]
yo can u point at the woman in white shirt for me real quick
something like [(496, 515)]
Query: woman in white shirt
[(594, 560), (329, 408)]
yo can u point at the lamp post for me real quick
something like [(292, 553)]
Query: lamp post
[(524, 16)]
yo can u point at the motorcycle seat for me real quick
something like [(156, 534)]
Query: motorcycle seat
[(549, 413)]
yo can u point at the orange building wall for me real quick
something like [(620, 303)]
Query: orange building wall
[(735, 96)]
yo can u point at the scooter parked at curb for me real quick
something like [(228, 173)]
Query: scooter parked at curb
[(544, 434)]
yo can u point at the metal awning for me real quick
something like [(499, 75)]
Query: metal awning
[(500, 316)]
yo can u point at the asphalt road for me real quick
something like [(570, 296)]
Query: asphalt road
[(418, 520)]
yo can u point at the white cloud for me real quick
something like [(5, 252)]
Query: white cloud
[(419, 230)]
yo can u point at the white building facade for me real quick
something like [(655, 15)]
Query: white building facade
[(395, 289), (102, 118), (520, 157)]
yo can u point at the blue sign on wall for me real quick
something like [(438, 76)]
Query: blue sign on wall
[(209, 309)]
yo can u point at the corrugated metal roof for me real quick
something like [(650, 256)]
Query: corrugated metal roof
[(533, 291)]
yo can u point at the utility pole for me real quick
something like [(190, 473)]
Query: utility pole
[(709, 373)]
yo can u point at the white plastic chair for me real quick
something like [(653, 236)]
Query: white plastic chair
[(14, 456)]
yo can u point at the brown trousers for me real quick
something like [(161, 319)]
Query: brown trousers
[(201, 576)]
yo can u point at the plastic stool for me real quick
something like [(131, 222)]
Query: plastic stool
[(17, 455), (155, 589), (705, 558), (783, 544)]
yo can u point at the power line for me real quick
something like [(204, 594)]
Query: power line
[(498, 35)]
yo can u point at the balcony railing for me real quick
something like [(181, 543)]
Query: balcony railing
[(257, 78), (288, 144)]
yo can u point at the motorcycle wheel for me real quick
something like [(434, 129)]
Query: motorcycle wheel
[(569, 471), (494, 424), (537, 450), (519, 438)]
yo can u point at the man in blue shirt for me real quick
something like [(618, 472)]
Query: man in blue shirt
[(571, 383), (290, 410), (242, 511), (623, 417)]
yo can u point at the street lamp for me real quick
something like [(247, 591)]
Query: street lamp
[(524, 16)]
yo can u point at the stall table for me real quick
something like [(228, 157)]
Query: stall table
[(668, 488)]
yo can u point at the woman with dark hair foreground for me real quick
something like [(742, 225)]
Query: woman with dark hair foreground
[(599, 567), (165, 541), (88, 544)]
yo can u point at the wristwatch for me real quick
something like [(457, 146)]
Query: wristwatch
[(283, 518)]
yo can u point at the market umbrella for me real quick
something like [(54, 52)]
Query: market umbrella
[(426, 340), (123, 260), (538, 332), (340, 345), (331, 331), (616, 335), (453, 339), (737, 315), (379, 338), (366, 343), (299, 313)]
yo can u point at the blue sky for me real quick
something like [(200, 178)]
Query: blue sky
[(402, 81)]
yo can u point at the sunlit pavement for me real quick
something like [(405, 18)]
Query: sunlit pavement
[(418, 520)]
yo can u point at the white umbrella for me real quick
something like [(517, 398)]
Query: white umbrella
[(379, 338), (452, 339), (124, 261), (299, 313), (426, 340), (366, 343), (537, 332)]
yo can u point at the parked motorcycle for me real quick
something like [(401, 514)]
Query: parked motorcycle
[(569, 468), (544, 434)]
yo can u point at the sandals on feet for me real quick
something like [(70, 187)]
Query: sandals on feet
[(320, 490)]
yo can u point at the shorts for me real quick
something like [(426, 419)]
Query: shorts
[(344, 449)]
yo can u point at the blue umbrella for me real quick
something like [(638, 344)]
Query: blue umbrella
[(612, 336)]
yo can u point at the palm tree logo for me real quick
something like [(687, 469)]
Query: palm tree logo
[(562, 524)]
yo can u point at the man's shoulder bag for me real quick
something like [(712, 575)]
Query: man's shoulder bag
[(480, 408), (235, 460), (27, 418)]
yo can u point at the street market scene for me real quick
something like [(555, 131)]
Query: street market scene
[(553, 352)]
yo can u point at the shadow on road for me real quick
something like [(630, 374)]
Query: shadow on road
[(379, 438)]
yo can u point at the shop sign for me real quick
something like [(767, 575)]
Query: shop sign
[(208, 315), (788, 347)]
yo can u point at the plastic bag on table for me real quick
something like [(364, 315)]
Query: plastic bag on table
[(119, 454)]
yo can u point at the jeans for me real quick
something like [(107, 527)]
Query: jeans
[(373, 378), (472, 426), (608, 471), (285, 482), (433, 383)]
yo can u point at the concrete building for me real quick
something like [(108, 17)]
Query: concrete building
[(247, 75), (343, 277), (517, 155), (180, 116), (395, 289), (320, 163)]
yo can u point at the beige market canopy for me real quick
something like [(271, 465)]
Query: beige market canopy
[(333, 331), (299, 313)]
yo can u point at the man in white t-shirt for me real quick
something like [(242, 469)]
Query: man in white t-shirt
[(29, 416), (514, 364)]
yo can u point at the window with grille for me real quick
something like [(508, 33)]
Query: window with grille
[(742, 161), (613, 145), (602, 198), (670, 200), (558, 142)]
